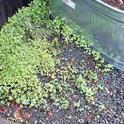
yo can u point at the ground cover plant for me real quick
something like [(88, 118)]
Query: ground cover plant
[(47, 67)]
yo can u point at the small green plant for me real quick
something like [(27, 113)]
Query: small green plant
[(91, 76), (82, 85)]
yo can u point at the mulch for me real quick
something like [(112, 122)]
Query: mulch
[(116, 3)]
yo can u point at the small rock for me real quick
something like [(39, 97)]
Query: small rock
[(35, 122), (122, 75)]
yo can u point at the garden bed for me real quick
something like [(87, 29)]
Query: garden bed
[(116, 3), (51, 75), (106, 108)]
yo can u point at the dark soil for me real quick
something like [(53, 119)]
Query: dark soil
[(108, 107), (116, 3)]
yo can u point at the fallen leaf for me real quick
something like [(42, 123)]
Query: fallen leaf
[(17, 114), (110, 92), (25, 115), (15, 105), (50, 114)]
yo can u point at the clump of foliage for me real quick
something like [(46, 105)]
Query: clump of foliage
[(22, 55), (81, 83)]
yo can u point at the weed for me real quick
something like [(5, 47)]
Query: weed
[(82, 85)]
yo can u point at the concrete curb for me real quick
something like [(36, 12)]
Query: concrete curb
[(5, 121)]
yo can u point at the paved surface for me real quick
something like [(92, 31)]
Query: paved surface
[(4, 121)]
